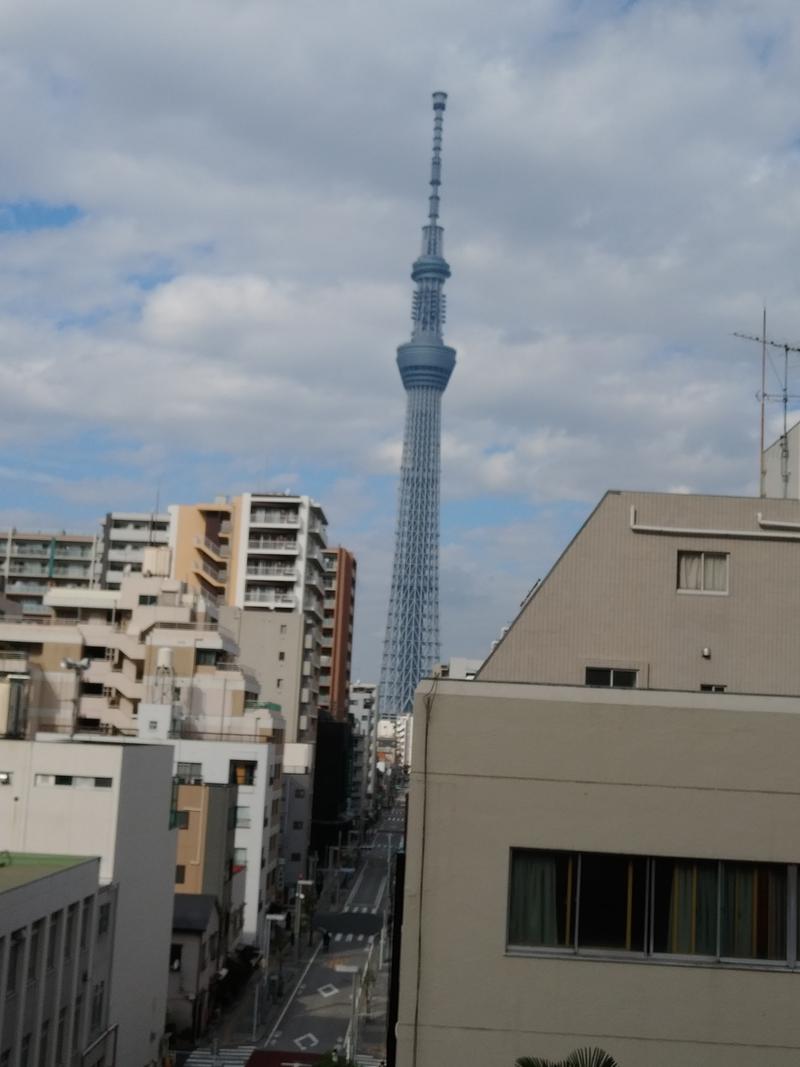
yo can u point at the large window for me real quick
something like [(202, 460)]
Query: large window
[(703, 572), (595, 902)]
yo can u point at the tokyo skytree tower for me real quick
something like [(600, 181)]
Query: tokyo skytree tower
[(411, 647)]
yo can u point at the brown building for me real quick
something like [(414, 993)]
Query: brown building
[(337, 631)]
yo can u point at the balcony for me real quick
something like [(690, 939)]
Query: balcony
[(126, 555), (30, 550), (211, 548), (13, 662), (26, 587), (274, 517), (218, 576), (273, 544), (267, 598), (276, 571), (73, 552)]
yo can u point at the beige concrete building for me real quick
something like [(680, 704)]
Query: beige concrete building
[(666, 591), (617, 792), (337, 631), (102, 652), (597, 866), (57, 929), (123, 539), (113, 800)]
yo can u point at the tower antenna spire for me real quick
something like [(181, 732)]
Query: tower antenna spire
[(411, 646)]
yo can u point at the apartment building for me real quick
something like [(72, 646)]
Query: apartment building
[(364, 715), (32, 563), (123, 539), (262, 553), (101, 652), (57, 929), (194, 965), (617, 789), (111, 800), (337, 631)]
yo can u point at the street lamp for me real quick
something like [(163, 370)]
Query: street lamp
[(278, 917), (299, 897), (351, 1038)]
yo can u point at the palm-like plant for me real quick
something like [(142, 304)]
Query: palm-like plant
[(581, 1057)]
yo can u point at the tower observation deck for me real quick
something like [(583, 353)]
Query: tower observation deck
[(411, 646)]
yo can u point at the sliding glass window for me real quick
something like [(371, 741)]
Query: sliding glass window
[(541, 898)]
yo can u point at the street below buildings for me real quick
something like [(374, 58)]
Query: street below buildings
[(336, 995)]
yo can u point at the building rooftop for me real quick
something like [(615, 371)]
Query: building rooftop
[(21, 868)]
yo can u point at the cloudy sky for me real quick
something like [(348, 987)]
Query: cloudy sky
[(208, 213)]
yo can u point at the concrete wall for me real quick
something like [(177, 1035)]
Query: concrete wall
[(625, 772), (122, 824), (611, 599)]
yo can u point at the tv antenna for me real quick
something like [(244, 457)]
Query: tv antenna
[(784, 396)]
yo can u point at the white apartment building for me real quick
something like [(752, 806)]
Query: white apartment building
[(33, 563), (298, 796), (363, 709), (57, 929), (112, 800), (123, 539)]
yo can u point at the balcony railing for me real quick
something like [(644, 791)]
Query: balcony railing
[(272, 544), (272, 572), (265, 596), (212, 546), (275, 517)]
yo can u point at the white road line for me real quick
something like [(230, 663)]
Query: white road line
[(379, 894), (360, 937), (356, 885), (294, 992), (349, 937), (338, 937)]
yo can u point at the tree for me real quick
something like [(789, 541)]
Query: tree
[(581, 1057)]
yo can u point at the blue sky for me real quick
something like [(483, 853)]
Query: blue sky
[(208, 214)]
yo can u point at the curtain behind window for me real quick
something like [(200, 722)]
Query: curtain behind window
[(753, 919), (715, 572), (693, 909), (534, 900), (690, 573)]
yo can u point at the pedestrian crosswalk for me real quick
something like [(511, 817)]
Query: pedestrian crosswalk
[(369, 938), (224, 1057), (369, 1061)]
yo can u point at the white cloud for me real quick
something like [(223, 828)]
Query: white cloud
[(622, 192)]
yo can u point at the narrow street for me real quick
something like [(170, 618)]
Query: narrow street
[(319, 1014), (316, 1013)]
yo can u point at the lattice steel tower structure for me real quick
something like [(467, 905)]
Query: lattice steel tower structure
[(411, 647)]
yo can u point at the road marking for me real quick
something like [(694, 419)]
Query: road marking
[(380, 893), (306, 1042), (338, 937), (328, 990), (294, 993), (356, 885), (349, 937)]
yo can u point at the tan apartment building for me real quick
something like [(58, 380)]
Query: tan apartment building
[(601, 867), (666, 591), (337, 631), (32, 563), (262, 554)]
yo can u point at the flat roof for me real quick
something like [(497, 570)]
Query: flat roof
[(21, 868)]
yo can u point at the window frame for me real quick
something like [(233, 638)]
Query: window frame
[(573, 949), (702, 553)]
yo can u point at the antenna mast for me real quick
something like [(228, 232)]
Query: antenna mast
[(784, 397)]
